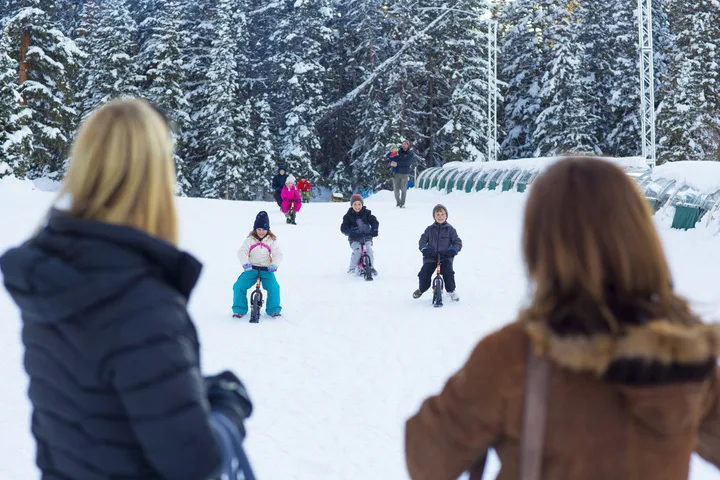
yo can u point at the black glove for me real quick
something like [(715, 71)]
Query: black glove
[(451, 253), (227, 395), (428, 252), (374, 233)]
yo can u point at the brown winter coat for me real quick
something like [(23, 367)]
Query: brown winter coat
[(628, 429)]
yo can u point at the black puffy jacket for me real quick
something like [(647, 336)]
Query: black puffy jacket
[(112, 354), (278, 181), (359, 225), (440, 238)]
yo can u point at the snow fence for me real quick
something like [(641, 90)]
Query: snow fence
[(688, 192)]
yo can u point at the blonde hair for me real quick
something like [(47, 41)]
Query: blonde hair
[(122, 170)]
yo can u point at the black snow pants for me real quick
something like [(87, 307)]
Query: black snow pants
[(446, 270)]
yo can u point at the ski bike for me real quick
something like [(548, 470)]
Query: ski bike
[(437, 285), (256, 298), (365, 265), (290, 215)]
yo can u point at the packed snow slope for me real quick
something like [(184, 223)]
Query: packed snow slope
[(334, 379)]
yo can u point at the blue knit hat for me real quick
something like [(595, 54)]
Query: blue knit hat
[(262, 221)]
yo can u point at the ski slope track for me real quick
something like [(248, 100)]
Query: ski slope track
[(334, 379)]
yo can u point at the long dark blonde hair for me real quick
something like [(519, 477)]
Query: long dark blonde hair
[(592, 252), (122, 170)]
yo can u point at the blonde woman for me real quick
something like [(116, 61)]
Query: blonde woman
[(112, 355), (630, 376)]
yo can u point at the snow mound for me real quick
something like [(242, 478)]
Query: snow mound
[(539, 163), (12, 185), (704, 176), (47, 184)]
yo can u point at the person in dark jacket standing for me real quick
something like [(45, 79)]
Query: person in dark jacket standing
[(112, 355), (439, 240), (360, 226), (401, 163), (278, 182)]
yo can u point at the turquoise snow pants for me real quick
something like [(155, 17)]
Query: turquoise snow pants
[(246, 281)]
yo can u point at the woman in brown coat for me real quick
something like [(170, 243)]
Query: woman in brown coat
[(633, 387)]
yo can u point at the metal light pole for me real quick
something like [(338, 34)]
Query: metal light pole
[(492, 92), (647, 82)]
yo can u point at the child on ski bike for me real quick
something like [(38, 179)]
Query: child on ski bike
[(291, 202), (360, 225), (304, 187), (260, 254), (439, 239)]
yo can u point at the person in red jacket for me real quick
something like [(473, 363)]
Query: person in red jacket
[(304, 187)]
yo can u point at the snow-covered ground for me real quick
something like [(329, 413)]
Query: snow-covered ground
[(334, 379)]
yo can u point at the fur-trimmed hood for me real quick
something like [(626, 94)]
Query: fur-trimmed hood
[(656, 342), (662, 369)]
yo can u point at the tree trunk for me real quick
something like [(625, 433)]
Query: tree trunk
[(23, 71), (23, 60)]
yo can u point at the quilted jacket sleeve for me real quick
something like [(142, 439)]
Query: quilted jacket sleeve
[(424, 239), (347, 224)]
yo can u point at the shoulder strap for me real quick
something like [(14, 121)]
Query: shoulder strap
[(534, 419), (534, 416)]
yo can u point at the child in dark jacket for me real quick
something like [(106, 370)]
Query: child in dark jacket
[(360, 226), (439, 239)]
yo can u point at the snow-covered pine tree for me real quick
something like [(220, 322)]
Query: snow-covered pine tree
[(463, 43), (370, 119), (46, 58), (260, 83), (299, 41), (225, 115), (689, 118), (566, 122), (64, 13), (663, 45), (609, 34), (87, 19), (15, 135), (107, 34), (378, 132), (418, 81), (523, 58), (341, 180), (198, 27), (261, 163), (160, 60)]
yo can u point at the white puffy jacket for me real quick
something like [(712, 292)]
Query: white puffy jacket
[(260, 252)]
